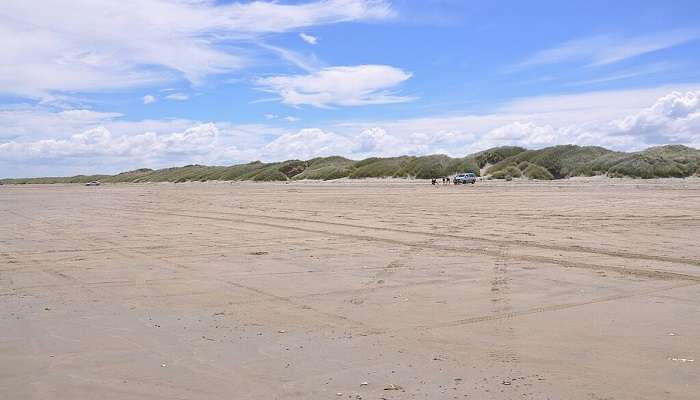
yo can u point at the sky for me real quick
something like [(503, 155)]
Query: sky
[(104, 86)]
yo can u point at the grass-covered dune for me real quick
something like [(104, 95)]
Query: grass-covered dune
[(566, 161), (508, 162)]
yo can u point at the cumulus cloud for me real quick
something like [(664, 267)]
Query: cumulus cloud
[(308, 38), (523, 134), (100, 142), (671, 118), (107, 44), (148, 99), (31, 122), (305, 144), (339, 86), (375, 140), (674, 118)]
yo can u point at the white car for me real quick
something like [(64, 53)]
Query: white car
[(464, 178), (93, 183)]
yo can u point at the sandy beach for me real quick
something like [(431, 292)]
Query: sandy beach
[(370, 289)]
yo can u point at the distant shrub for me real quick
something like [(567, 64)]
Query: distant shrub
[(326, 173), (495, 155), (511, 171), (379, 167), (270, 174), (534, 171)]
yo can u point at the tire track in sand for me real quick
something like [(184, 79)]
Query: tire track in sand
[(646, 273), (524, 243)]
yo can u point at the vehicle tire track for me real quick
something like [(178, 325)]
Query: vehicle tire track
[(550, 308), (647, 273), (573, 248)]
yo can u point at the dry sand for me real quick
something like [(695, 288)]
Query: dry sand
[(579, 289)]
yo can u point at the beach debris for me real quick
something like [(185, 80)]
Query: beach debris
[(163, 365), (282, 331), (339, 394), (672, 334), (507, 383), (258, 253), (364, 383), (393, 387), (681, 359)]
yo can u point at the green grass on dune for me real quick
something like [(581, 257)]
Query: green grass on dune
[(569, 160), (560, 161), (495, 155), (326, 168), (534, 171), (507, 162), (658, 162)]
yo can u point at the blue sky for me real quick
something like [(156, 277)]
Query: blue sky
[(105, 86)]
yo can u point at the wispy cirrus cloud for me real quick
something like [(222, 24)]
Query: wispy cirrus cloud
[(177, 96), (629, 73), (306, 62), (607, 49), (310, 39), (85, 46)]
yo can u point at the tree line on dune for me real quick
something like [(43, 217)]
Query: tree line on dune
[(507, 162)]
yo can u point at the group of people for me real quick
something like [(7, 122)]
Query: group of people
[(445, 181)]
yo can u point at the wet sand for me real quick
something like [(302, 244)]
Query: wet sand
[(386, 289)]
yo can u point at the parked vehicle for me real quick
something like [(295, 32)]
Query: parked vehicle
[(464, 178), (93, 183)]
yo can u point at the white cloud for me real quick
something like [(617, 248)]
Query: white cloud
[(523, 134), (339, 86), (177, 96), (148, 99), (308, 38), (288, 118), (80, 45), (674, 118), (32, 122), (306, 62), (102, 142), (306, 144), (651, 69), (375, 141), (607, 49)]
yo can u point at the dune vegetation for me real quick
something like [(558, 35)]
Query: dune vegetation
[(566, 161), (506, 162)]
